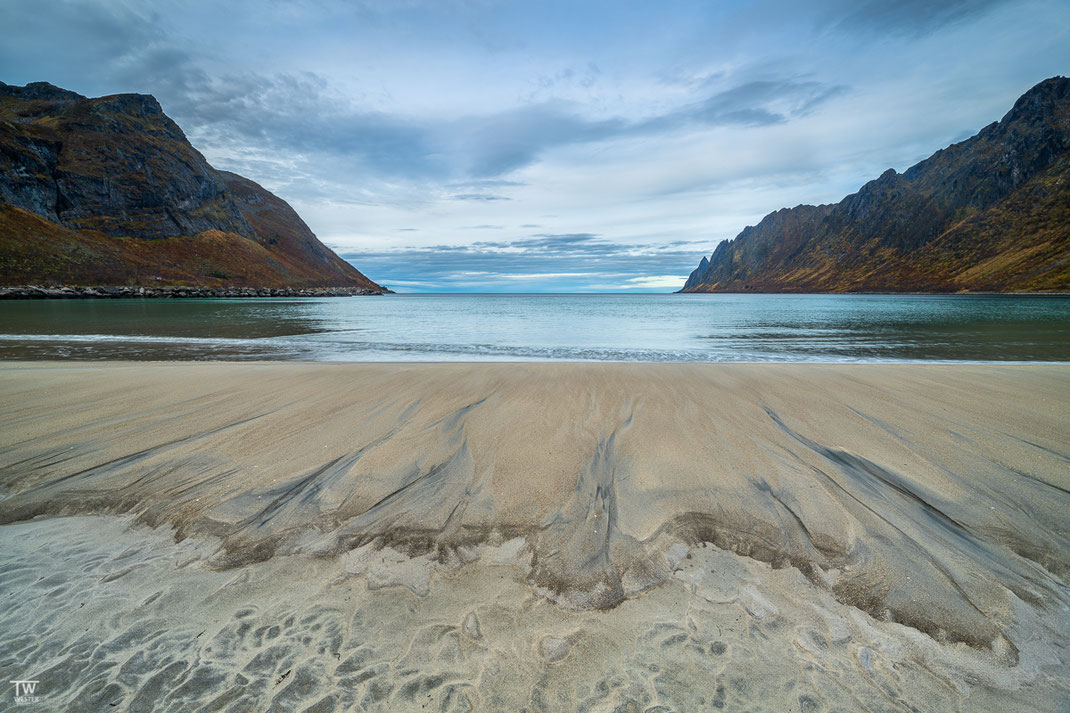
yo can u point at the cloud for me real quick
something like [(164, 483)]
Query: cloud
[(560, 242), (498, 143), (530, 276), (481, 184), (753, 103), (302, 129), (645, 283), (251, 117), (479, 197), (666, 282), (903, 17), (301, 115)]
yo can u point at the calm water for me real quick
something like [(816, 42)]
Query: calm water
[(752, 328)]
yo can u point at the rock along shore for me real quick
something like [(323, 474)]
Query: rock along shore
[(31, 292)]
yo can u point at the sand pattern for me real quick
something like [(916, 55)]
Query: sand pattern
[(536, 537)]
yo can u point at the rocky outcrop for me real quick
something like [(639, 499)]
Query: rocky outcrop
[(67, 292), (986, 214), (118, 167)]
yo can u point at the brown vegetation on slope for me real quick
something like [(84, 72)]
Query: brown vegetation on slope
[(36, 251)]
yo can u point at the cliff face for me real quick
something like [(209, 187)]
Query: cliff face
[(991, 213), (109, 190)]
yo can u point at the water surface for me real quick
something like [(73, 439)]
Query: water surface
[(496, 327)]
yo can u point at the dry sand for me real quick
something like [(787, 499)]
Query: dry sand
[(603, 537)]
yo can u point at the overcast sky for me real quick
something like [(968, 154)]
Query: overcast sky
[(548, 146)]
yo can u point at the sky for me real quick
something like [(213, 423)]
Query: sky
[(483, 145)]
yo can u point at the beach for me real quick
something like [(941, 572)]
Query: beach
[(536, 536)]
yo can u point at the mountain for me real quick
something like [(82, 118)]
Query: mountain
[(110, 191), (991, 213)]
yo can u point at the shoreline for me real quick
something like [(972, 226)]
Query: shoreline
[(24, 292), (70, 292), (930, 500), (985, 293), (532, 361)]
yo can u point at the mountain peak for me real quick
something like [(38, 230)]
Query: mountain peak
[(130, 104), (40, 91), (1047, 101), (1042, 95)]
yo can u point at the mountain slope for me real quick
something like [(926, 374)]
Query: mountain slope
[(109, 191), (991, 213)]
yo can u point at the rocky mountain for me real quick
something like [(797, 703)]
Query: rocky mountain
[(991, 213), (110, 191)]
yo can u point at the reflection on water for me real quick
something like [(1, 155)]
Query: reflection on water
[(547, 327)]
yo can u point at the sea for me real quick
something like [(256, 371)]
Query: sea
[(547, 327)]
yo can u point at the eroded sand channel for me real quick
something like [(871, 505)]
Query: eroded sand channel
[(540, 537)]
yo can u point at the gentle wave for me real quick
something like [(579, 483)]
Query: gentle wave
[(631, 328), (199, 348)]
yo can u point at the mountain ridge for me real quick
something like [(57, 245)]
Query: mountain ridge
[(109, 190), (987, 214)]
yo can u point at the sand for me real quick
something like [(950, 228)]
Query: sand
[(603, 537)]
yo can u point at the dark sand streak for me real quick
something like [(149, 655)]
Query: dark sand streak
[(599, 467)]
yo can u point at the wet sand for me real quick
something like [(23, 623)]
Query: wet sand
[(598, 537)]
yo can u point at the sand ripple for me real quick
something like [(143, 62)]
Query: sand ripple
[(112, 618)]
